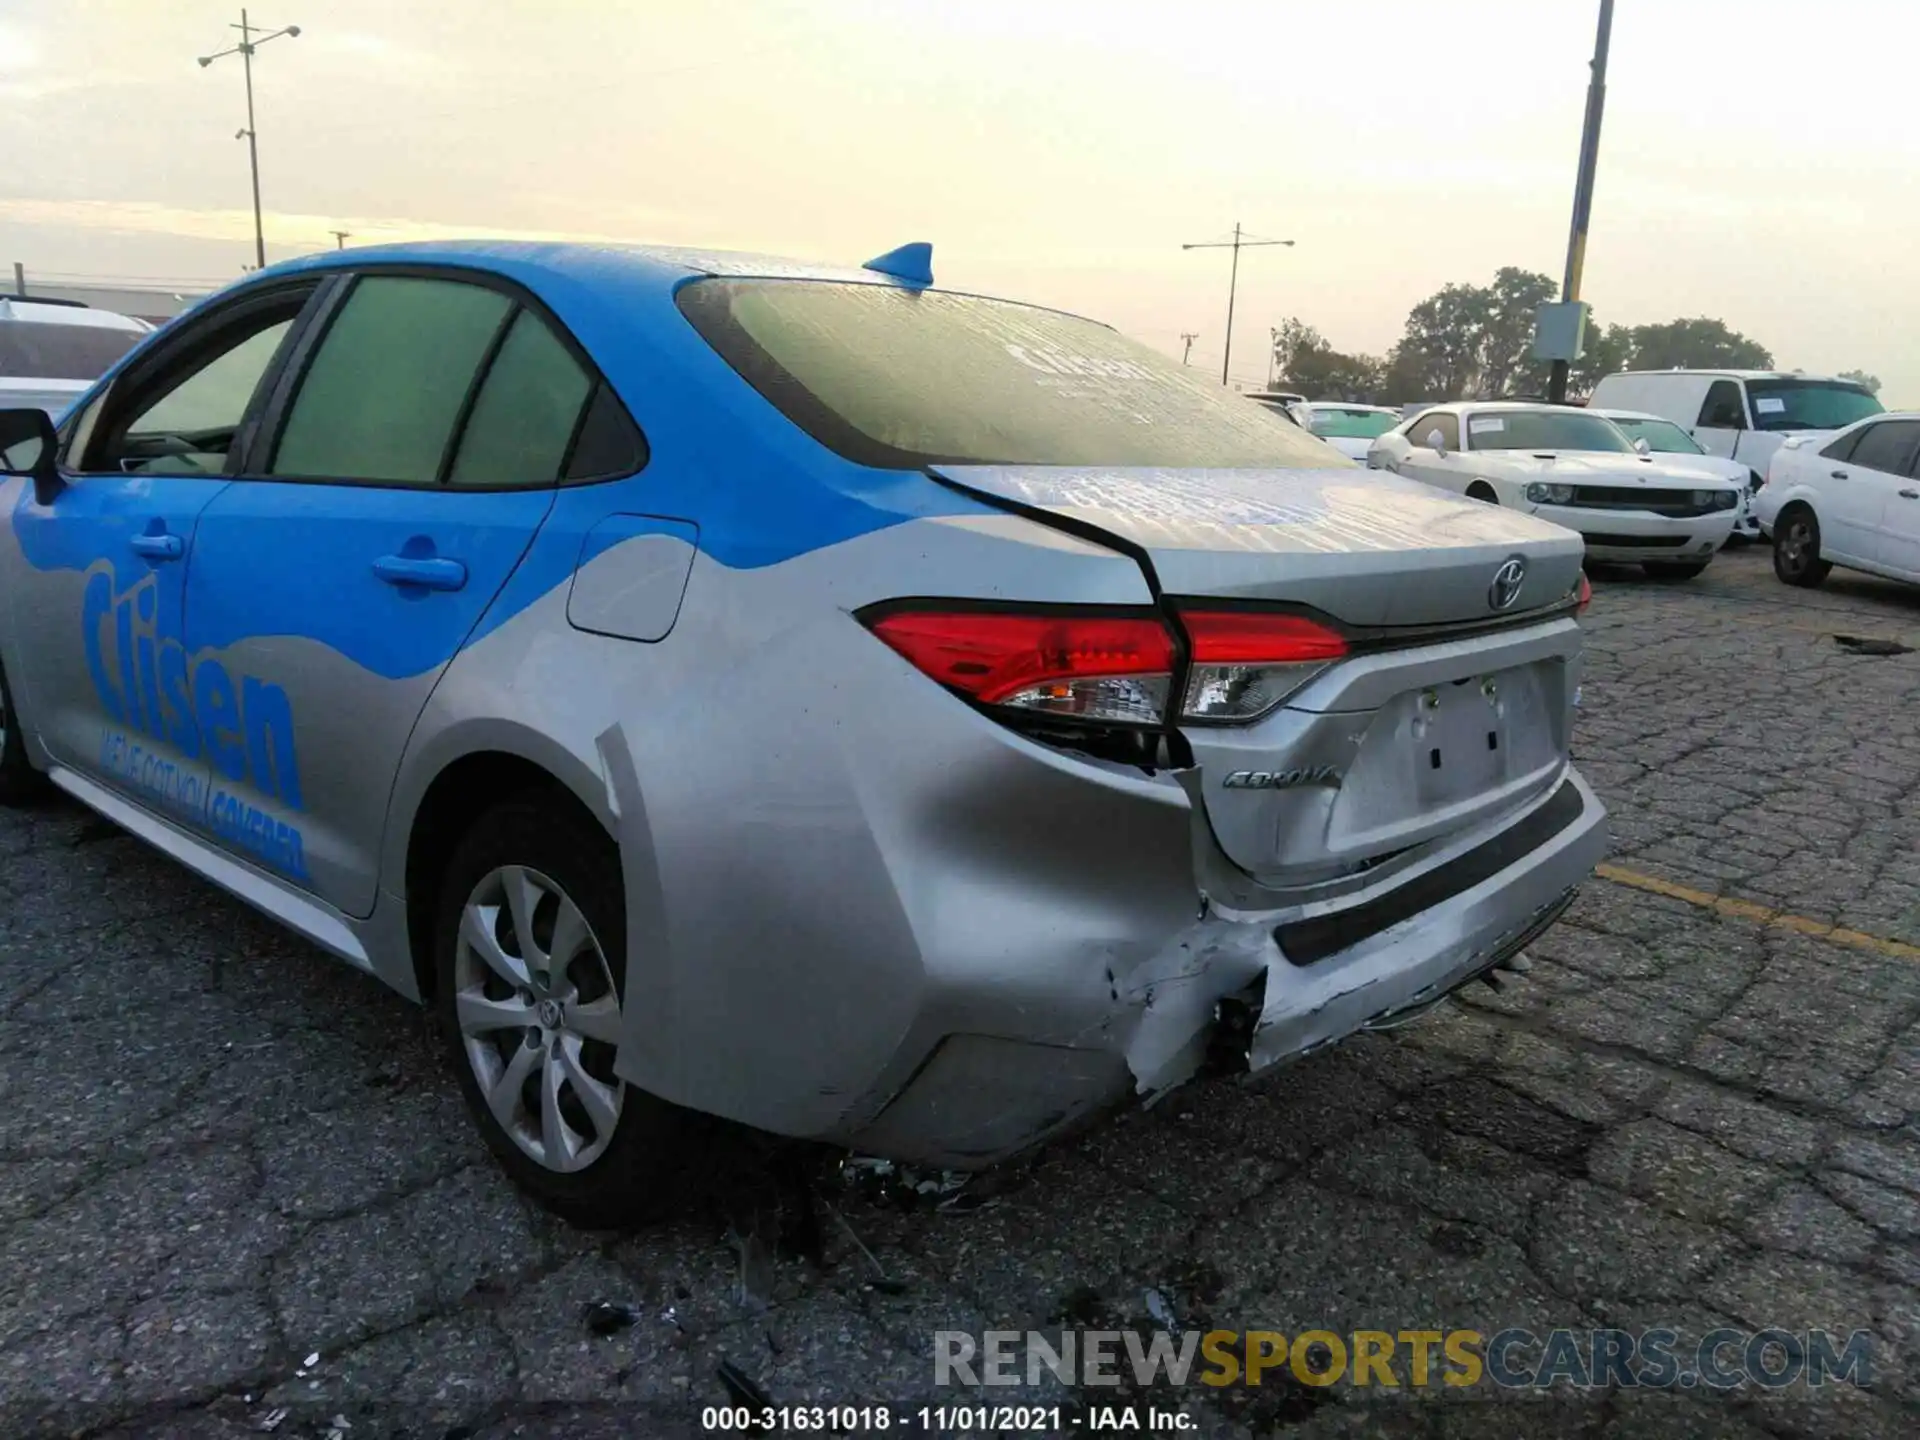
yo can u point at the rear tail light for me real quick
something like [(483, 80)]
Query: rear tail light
[(1246, 662), (1583, 597), (1114, 669), (1110, 668)]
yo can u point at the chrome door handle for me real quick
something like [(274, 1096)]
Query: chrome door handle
[(426, 571), (160, 546)]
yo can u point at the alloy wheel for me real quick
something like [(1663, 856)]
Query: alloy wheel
[(539, 1017), (1797, 543)]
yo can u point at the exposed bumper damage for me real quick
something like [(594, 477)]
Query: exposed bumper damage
[(1244, 992)]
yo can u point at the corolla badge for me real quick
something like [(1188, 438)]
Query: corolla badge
[(1507, 581), (1282, 779)]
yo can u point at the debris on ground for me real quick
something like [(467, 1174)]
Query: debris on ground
[(1160, 1310), (756, 1269), (910, 1187), (881, 1281), (272, 1420), (610, 1317), (742, 1388), (1864, 645)]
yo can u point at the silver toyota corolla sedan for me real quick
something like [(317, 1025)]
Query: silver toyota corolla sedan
[(865, 711)]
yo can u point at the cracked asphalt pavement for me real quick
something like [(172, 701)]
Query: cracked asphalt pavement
[(223, 1155)]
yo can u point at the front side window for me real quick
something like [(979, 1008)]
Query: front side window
[(1888, 447), (1420, 429), (1545, 430), (1793, 404), (1355, 424), (1662, 436), (1721, 409), (384, 392), (183, 416), (899, 378)]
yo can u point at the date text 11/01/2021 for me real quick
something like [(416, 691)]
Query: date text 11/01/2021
[(942, 1420)]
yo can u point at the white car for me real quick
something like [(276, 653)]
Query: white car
[(1679, 451), (1350, 429), (1572, 467), (1852, 500), (51, 351), (1743, 415)]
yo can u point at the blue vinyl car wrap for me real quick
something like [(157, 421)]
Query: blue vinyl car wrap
[(861, 710)]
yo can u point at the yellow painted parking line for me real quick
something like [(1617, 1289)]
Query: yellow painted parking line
[(1760, 914)]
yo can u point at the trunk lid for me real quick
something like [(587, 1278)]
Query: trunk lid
[(1413, 737), (1363, 546)]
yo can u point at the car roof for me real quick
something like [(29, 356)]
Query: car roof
[(1612, 414), (1746, 375), (662, 266), (56, 312), (1350, 405)]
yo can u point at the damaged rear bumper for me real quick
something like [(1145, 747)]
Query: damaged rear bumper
[(1251, 991)]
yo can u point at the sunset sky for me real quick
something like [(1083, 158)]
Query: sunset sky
[(1758, 163)]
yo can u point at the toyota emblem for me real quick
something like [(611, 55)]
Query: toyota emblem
[(1507, 581)]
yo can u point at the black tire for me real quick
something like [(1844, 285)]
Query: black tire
[(1482, 491), (636, 1176), (20, 783), (1796, 548), (1673, 570)]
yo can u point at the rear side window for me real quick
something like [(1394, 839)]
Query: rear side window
[(527, 411), (385, 390), (37, 350), (898, 378), (1889, 446)]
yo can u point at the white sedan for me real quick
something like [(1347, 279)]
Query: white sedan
[(1851, 499), (1574, 468), (1350, 429), (1679, 451)]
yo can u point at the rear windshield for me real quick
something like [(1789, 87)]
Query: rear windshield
[(900, 379), (1544, 430), (34, 350), (1352, 424), (1661, 435), (1809, 404)]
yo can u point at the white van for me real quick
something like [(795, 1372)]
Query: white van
[(1741, 415)]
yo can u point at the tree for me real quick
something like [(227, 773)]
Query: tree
[(1472, 340), (1307, 363), (1698, 344), (1871, 383)]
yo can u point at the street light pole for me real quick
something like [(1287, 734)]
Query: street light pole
[(1186, 355), (1239, 242), (1583, 186), (340, 238), (248, 44)]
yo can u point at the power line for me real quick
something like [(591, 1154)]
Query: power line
[(1241, 240)]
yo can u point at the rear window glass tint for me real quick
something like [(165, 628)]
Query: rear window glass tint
[(526, 413), (385, 389), (35, 350), (898, 378)]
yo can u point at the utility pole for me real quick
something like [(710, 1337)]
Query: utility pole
[(1583, 187), (19, 278), (1186, 336), (248, 44), (340, 238), (1239, 242)]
